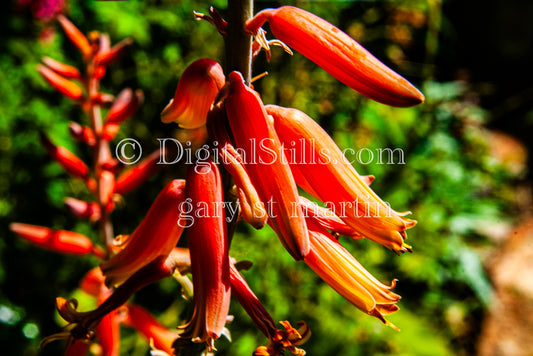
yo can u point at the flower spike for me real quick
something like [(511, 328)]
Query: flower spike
[(157, 234), (266, 164), (334, 180), (338, 54), (197, 88), (209, 251)]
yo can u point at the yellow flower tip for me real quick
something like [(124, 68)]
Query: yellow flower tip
[(196, 91)]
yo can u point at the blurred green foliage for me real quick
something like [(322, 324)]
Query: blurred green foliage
[(450, 182)]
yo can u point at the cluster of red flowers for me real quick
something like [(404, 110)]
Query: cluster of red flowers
[(234, 117)]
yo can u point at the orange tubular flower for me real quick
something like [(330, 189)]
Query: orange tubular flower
[(82, 133), (134, 177), (338, 54), (334, 180), (61, 241), (338, 268), (209, 250), (157, 234), (75, 36), (250, 303), (63, 85), (66, 159), (124, 106), (197, 88), (83, 210), (266, 164), (151, 329), (114, 53), (327, 219), (252, 208), (63, 69)]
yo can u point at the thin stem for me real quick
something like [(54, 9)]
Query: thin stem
[(238, 43), (102, 153)]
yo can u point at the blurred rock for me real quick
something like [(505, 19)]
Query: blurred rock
[(508, 326)]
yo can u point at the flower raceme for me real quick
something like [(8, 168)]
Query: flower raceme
[(273, 180), (156, 236), (338, 54), (209, 252), (334, 180), (197, 88)]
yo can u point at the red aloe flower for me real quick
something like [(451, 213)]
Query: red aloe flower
[(63, 69), (134, 177), (150, 328), (124, 106), (62, 84), (252, 208), (107, 57), (75, 36), (209, 250), (157, 234), (83, 210), (338, 54), (250, 303), (266, 164), (66, 159), (82, 133), (338, 268), (334, 180), (61, 241), (197, 88)]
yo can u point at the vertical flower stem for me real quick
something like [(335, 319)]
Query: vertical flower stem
[(101, 153), (238, 43), (238, 58)]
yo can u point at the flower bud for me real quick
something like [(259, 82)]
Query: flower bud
[(63, 85), (338, 54), (62, 241), (75, 36), (66, 159), (63, 69)]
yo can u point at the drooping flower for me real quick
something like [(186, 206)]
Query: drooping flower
[(156, 236), (197, 88), (266, 164), (150, 328), (334, 180), (338, 268), (338, 54), (209, 251), (252, 209)]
